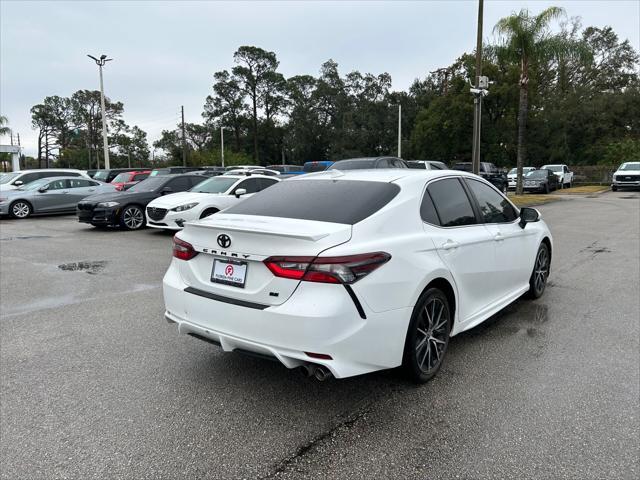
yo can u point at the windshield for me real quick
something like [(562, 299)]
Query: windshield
[(148, 185), (553, 168), (214, 185), (624, 166), (465, 167), (314, 167), (355, 164), (101, 175), (537, 174), (7, 177), (513, 171), (121, 178)]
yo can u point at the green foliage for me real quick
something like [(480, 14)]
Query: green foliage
[(625, 150)]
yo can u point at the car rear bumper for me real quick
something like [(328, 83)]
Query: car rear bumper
[(317, 318)]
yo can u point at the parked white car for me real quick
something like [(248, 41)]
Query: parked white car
[(206, 198), (627, 175), (254, 171), (345, 273), (512, 176), (13, 180), (565, 176)]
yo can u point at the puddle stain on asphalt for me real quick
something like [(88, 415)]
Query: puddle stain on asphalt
[(594, 249), (91, 267), (24, 237)]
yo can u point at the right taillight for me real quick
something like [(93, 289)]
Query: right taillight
[(345, 269), (183, 250)]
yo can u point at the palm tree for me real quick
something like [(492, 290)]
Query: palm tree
[(527, 39), (4, 129)]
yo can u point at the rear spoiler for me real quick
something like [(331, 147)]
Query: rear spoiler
[(262, 231)]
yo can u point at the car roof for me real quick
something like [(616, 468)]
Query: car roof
[(381, 175), (31, 170), (66, 177)]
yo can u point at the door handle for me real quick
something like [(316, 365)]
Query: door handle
[(450, 245), (499, 237)]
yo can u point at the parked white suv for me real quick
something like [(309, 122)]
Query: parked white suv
[(627, 175), (170, 212), (565, 176), (13, 180)]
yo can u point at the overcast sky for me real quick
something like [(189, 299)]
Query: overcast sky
[(166, 52)]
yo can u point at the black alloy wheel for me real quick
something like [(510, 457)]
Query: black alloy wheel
[(428, 336), (540, 274), (132, 218)]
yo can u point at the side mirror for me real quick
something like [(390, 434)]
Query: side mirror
[(17, 183), (528, 215), (166, 190), (240, 192), (44, 188)]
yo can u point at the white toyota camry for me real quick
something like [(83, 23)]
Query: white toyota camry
[(344, 273), (170, 212)]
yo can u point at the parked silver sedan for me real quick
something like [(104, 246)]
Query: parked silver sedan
[(50, 195)]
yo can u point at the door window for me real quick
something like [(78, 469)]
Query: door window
[(57, 185), (140, 176), (251, 185), (79, 183), (266, 182), (452, 203), (494, 208)]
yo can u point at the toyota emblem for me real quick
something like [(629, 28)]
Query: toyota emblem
[(224, 241)]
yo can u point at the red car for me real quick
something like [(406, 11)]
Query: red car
[(126, 180)]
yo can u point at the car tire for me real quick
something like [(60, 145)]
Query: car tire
[(20, 209), (546, 188), (540, 273), (207, 212), (132, 217), (614, 188), (429, 329)]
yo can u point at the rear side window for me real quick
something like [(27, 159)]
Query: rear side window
[(451, 202), (335, 201), (428, 210), (493, 206)]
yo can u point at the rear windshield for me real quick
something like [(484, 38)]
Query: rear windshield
[(335, 201), (121, 178)]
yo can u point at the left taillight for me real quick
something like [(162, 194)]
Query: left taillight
[(183, 250), (345, 269)]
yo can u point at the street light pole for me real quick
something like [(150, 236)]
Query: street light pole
[(399, 131), (477, 111), (222, 145), (105, 142)]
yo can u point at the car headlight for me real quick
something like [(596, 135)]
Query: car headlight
[(186, 206), (108, 204)]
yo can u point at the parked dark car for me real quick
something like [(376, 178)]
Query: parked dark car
[(488, 171), (368, 163), (127, 209), (287, 169), (106, 175), (542, 180), (172, 170)]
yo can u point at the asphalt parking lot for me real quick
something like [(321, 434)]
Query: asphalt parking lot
[(95, 384)]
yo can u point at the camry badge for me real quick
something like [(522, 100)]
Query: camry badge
[(224, 241)]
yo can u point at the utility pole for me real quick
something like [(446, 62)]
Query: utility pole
[(399, 131), (105, 142), (184, 141), (222, 145), (477, 101)]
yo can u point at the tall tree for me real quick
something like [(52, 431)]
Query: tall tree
[(527, 39), (4, 126), (227, 107), (255, 67)]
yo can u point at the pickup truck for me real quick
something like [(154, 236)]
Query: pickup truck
[(563, 173)]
